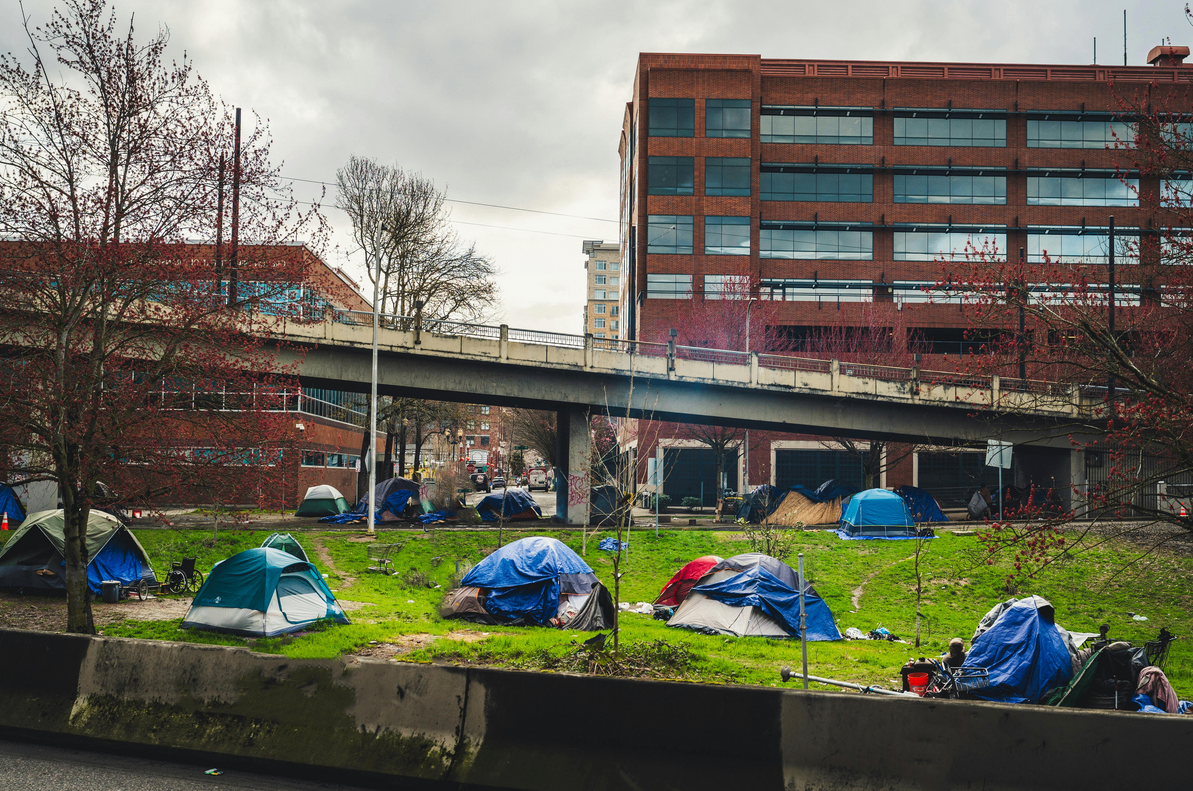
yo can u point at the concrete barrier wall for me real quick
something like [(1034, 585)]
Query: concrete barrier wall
[(482, 728)]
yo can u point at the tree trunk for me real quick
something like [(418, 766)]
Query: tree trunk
[(418, 444), (79, 619), (402, 451), (720, 490), (368, 455)]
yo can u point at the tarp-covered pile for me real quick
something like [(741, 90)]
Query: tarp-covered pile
[(760, 503), (516, 503), (33, 559), (534, 581), (753, 595), (1025, 652), (798, 509), (876, 513), (262, 592)]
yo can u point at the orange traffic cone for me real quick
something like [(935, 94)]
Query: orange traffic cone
[(4, 524), (1183, 515)]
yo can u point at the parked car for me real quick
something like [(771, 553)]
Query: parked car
[(480, 482), (498, 482), (538, 480)]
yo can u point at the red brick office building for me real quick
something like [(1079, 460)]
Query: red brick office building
[(838, 185)]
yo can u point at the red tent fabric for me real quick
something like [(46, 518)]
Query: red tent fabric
[(684, 580)]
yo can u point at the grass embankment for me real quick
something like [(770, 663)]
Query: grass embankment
[(1098, 586)]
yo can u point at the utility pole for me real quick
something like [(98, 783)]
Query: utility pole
[(219, 230), (1124, 37), (1022, 335), (233, 257)]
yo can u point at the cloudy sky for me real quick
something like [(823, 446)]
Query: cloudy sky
[(519, 103)]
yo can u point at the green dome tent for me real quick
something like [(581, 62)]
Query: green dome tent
[(262, 592), (322, 500), (33, 559), (286, 543)]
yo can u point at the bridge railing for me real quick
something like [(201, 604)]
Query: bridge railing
[(699, 353)]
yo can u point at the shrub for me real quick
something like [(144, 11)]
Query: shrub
[(661, 501), (778, 542), (692, 503)]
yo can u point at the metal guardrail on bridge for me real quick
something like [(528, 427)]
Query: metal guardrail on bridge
[(698, 353)]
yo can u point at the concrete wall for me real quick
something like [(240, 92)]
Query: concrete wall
[(480, 728)]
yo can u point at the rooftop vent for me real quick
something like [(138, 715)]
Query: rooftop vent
[(1168, 56)]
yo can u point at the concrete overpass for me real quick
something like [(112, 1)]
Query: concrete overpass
[(579, 375)]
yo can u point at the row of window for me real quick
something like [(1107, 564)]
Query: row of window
[(673, 117), (673, 235), (902, 291), (318, 458), (606, 280), (855, 184), (599, 309), (614, 324)]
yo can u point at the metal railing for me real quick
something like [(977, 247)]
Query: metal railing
[(784, 362)]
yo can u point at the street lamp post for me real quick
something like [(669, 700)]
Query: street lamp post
[(373, 396), (746, 450)]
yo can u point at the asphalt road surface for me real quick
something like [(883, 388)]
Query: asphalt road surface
[(36, 767)]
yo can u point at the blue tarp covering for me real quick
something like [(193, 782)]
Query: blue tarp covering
[(516, 501), (1024, 653), (395, 503), (831, 490), (843, 534), (118, 560), (922, 505), (877, 512), (757, 587), (523, 578), (9, 504)]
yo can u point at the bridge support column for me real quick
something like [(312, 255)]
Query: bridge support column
[(1079, 486), (572, 453)]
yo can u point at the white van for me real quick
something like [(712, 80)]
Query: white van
[(539, 480)]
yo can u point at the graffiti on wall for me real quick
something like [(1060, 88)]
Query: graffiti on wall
[(577, 489)]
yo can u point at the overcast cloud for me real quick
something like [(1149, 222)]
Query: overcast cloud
[(520, 103)]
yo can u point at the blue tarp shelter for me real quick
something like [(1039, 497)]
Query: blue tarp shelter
[(391, 497), (525, 579), (877, 513), (9, 504), (923, 506), (517, 503), (1024, 653), (754, 595)]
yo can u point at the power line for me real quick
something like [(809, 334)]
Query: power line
[(477, 224), (488, 205)]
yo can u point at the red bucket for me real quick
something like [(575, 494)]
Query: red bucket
[(918, 683)]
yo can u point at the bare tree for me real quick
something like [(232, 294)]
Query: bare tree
[(536, 429), (400, 223)]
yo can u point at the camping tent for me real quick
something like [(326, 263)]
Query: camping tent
[(532, 581), (517, 504), (262, 592), (754, 595), (32, 560), (760, 503), (322, 500), (877, 513), (286, 543), (391, 498), (923, 506), (1024, 651), (10, 505), (685, 579)]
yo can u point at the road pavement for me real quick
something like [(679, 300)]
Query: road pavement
[(37, 767)]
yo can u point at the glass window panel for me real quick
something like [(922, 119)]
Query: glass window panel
[(727, 118), (948, 130), (668, 286), (672, 117), (727, 176), (1082, 246), (669, 234), (823, 185), (726, 235), (845, 126), (1090, 190), (931, 245), (670, 175), (824, 244)]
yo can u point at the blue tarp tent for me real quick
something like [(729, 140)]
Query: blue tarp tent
[(754, 595), (9, 504), (524, 579), (518, 504), (877, 513), (390, 496), (1024, 653), (32, 560), (922, 505)]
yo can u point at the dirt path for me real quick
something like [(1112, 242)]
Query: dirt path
[(856, 598), (346, 580), (48, 614)]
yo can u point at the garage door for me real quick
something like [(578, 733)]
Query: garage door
[(811, 468), (692, 472)]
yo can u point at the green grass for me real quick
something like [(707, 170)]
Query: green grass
[(1098, 586)]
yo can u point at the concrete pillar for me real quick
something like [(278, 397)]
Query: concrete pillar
[(753, 368), (1075, 498), (503, 342), (572, 448)]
